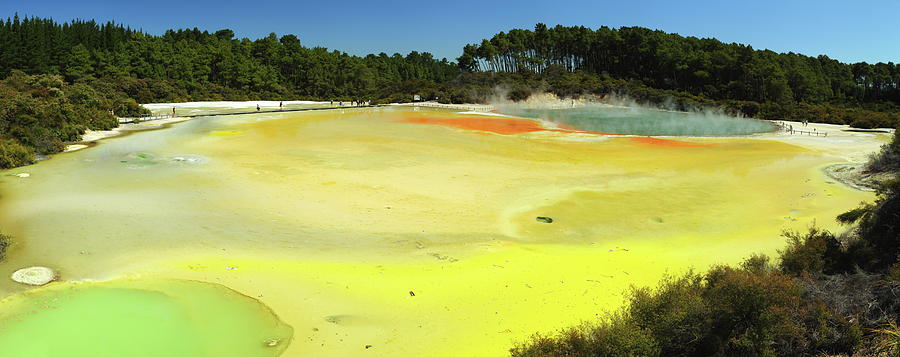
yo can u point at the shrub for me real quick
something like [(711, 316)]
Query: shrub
[(888, 158), (615, 337), (13, 154), (855, 214), (881, 228), (127, 107), (753, 313), (519, 94), (675, 313), (814, 252), (889, 339), (893, 273), (41, 113), (5, 242)]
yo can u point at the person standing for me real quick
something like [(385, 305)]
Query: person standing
[(257, 107), (280, 105)]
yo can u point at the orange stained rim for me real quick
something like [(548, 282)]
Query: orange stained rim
[(511, 126), (648, 140), (505, 126)]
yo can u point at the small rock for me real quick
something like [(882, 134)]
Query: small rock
[(272, 342), (34, 276), (544, 219)]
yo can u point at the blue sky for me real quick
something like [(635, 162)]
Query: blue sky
[(850, 31)]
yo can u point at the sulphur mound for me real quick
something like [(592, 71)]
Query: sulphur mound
[(34, 276), (139, 318)]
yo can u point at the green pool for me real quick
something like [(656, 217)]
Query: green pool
[(136, 318), (644, 121)]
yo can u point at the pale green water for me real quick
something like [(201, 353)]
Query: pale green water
[(171, 318), (642, 121)]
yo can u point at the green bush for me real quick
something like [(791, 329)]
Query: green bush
[(41, 113), (880, 230), (753, 313), (616, 337), (519, 94), (13, 154), (807, 253), (754, 310), (675, 313), (888, 158), (5, 242)]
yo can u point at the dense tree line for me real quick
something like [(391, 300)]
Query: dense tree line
[(205, 65), (699, 66), (758, 83), (827, 295)]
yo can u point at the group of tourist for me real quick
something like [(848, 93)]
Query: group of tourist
[(353, 103), (789, 128)]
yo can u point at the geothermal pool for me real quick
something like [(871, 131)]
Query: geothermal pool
[(139, 318), (644, 121), (386, 231)]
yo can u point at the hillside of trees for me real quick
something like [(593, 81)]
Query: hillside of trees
[(39, 113), (699, 66), (758, 83), (197, 65)]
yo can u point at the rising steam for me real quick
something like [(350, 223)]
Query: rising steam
[(618, 114)]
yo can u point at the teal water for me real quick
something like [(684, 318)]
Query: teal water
[(644, 121)]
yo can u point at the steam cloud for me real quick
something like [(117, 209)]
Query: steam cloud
[(622, 115)]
